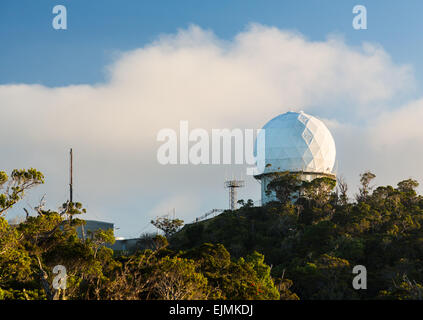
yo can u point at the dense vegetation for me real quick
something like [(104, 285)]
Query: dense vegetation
[(30, 250), (304, 245), (314, 236)]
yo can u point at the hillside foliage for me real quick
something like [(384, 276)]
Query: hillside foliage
[(314, 236), (303, 246)]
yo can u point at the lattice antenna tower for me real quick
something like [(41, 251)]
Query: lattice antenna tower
[(232, 185)]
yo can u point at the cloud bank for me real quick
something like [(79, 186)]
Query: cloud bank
[(213, 83)]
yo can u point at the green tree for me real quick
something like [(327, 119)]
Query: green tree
[(318, 190), (175, 278), (168, 226), (286, 186), (365, 188), (13, 188), (247, 278)]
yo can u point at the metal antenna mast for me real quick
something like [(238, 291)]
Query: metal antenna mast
[(70, 177), (232, 185)]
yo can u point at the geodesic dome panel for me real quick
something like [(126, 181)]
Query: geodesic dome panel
[(295, 141)]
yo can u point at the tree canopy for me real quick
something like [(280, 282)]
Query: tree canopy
[(303, 246)]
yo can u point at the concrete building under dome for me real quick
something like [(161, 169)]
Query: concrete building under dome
[(294, 142)]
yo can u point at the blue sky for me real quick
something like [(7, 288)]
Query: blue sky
[(33, 52), (107, 84)]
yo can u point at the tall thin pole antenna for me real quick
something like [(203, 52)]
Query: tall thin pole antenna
[(70, 177)]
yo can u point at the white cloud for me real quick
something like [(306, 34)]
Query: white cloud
[(195, 76), (399, 126)]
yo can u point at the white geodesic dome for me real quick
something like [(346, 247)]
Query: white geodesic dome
[(295, 141)]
